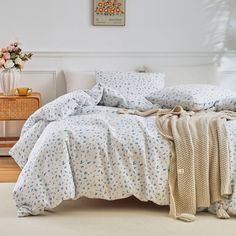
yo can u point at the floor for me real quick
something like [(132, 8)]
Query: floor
[(9, 170), (103, 218)]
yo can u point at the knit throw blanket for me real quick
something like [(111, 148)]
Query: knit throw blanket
[(199, 171)]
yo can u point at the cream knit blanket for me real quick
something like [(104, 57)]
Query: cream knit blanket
[(199, 171)]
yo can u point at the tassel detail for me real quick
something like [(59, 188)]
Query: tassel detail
[(186, 217), (221, 212)]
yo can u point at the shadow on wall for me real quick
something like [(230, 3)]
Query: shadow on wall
[(231, 34), (218, 17), (221, 33)]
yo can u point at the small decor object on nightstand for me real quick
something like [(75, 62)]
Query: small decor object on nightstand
[(23, 91), (12, 61)]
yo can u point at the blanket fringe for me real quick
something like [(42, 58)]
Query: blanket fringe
[(221, 212), (186, 217)]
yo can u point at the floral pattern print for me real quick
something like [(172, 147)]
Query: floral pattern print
[(113, 98), (109, 7), (77, 147), (194, 97), (74, 147), (226, 104), (131, 83)]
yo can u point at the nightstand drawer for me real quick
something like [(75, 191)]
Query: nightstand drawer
[(17, 109)]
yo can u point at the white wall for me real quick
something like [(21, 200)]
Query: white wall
[(181, 38), (231, 32), (152, 25)]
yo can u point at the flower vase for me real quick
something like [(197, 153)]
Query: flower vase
[(9, 79)]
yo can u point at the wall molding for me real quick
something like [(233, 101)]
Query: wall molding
[(228, 72), (43, 72), (230, 54), (42, 80), (53, 72), (142, 54)]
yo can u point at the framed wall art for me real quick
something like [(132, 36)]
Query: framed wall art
[(109, 12)]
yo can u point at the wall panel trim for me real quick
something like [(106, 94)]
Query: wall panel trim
[(66, 54)]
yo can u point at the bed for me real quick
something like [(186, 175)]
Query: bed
[(80, 145)]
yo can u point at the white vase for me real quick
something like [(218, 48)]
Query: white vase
[(9, 79)]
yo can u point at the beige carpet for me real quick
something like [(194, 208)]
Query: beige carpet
[(95, 217)]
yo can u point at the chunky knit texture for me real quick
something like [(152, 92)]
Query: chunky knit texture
[(199, 171)]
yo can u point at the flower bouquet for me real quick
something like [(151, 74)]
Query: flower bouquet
[(12, 61)]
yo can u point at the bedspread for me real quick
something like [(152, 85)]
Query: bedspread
[(77, 146)]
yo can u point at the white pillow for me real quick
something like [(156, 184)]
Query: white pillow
[(131, 83), (192, 97), (79, 80)]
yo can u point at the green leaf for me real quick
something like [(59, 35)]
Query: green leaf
[(13, 56)]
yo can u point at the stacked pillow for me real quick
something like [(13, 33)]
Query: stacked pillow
[(194, 97), (150, 86), (113, 98), (131, 83), (226, 104)]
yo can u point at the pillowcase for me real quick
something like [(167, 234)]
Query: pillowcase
[(226, 104), (193, 97), (79, 80), (113, 98), (109, 97), (131, 83)]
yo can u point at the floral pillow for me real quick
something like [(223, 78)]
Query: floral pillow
[(192, 97), (131, 83), (226, 104), (113, 98), (109, 97)]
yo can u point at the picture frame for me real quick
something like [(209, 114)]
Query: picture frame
[(109, 12)]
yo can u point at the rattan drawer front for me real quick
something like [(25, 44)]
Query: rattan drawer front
[(17, 109)]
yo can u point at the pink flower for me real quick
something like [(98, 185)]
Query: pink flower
[(4, 50), (15, 44), (10, 48), (6, 56)]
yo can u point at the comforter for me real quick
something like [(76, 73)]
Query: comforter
[(79, 146)]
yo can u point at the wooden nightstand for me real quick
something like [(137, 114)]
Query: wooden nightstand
[(14, 108)]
